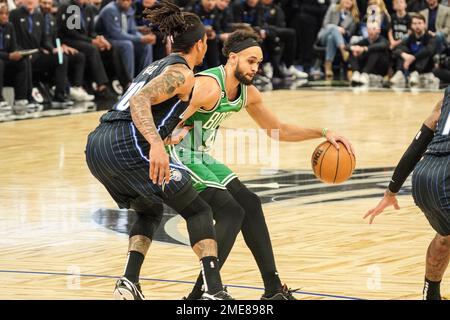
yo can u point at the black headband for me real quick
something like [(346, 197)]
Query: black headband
[(247, 43), (189, 37)]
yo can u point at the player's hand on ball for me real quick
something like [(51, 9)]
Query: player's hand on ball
[(159, 164), (334, 137), (388, 200)]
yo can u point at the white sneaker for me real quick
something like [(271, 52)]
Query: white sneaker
[(127, 290), (268, 70), (20, 107), (398, 79), (375, 80), (79, 94), (356, 77), (364, 79), (429, 81), (414, 79), (5, 107), (297, 73)]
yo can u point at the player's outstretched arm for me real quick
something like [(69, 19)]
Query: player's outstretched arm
[(266, 119), (407, 163), (175, 80)]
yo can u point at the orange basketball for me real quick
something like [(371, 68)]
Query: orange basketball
[(331, 165)]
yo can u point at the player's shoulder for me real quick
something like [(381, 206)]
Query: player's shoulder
[(206, 90), (253, 95), (180, 71)]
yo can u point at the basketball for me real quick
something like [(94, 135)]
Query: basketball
[(331, 165)]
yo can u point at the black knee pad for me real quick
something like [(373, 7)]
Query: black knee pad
[(149, 216), (182, 201), (223, 204), (199, 221), (246, 198), (146, 224), (241, 193)]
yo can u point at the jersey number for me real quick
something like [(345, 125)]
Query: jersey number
[(124, 103)]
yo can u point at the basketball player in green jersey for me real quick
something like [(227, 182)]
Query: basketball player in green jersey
[(218, 93)]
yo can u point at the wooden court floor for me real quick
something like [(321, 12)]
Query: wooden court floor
[(51, 247)]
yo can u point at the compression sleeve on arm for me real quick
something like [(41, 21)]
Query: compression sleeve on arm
[(410, 158)]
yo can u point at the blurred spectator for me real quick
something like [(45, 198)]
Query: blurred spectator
[(210, 17), (84, 38), (29, 26), (144, 27), (116, 22), (363, 4), (414, 56), (97, 4), (249, 12), (416, 5), (225, 24), (306, 18), (400, 24), (443, 69), (225, 19), (339, 25), (76, 60), (369, 57), (376, 11), (13, 64), (438, 20), (280, 41)]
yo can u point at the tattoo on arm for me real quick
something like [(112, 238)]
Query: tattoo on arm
[(140, 104)]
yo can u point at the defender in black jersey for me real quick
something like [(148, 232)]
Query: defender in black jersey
[(429, 157), (126, 152)]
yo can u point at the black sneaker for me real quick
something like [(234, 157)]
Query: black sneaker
[(127, 290), (197, 295), (221, 295), (61, 102), (284, 294)]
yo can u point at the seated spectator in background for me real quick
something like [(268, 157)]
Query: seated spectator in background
[(76, 59), (29, 26), (116, 22), (281, 42), (416, 5), (400, 24), (249, 12), (95, 47), (369, 57), (443, 69), (225, 19), (97, 4), (363, 4), (13, 65), (225, 24), (144, 27), (338, 26), (376, 11), (437, 18), (414, 56), (209, 15), (306, 18)]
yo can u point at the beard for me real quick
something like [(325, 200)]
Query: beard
[(241, 77)]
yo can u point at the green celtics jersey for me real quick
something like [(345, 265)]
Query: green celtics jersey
[(206, 123)]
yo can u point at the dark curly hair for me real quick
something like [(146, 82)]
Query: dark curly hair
[(185, 28), (237, 37)]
